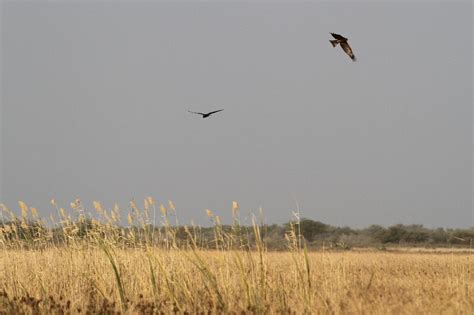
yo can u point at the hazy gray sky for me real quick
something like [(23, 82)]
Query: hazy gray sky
[(95, 98)]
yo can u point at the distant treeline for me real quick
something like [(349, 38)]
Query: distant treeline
[(315, 234)]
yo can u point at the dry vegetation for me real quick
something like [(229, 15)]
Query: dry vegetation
[(107, 270)]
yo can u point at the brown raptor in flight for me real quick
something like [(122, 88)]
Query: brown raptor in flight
[(339, 39), (205, 115)]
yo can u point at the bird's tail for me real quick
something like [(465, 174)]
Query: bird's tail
[(334, 42)]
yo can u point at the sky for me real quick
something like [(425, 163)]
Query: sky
[(95, 99)]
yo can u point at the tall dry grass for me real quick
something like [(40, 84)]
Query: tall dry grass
[(144, 270)]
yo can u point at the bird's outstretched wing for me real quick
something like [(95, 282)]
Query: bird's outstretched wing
[(216, 111), (347, 49), (196, 113), (337, 36)]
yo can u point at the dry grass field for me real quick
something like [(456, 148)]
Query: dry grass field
[(153, 281), (108, 272)]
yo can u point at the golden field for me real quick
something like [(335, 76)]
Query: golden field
[(154, 281), (93, 265)]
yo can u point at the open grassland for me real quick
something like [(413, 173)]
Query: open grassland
[(88, 263), (153, 281)]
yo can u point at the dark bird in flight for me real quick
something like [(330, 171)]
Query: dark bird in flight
[(339, 39), (205, 115)]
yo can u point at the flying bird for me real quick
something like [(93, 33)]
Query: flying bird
[(205, 115), (339, 39)]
